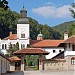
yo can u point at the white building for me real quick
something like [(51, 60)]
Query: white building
[(23, 38)]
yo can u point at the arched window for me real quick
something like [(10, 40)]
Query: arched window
[(2, 46), (73, 60), (5, 46), (22, 46)]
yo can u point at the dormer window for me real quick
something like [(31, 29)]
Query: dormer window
[(22, 35)]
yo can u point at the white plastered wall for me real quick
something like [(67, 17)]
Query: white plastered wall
[(51, 54)]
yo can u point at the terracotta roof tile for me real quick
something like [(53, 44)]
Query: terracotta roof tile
[(12, 37), (70, 40), (47, 43), (14, 58), (34, 41), (33, 51)]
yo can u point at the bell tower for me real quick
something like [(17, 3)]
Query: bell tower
[(23, 27)]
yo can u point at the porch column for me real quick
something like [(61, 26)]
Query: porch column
[(22, 63)]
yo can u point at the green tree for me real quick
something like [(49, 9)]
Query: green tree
[(72, 30), (4, 4), (72, 10), (8, 21), (13, 48)]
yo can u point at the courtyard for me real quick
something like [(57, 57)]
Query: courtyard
[(48, 72)]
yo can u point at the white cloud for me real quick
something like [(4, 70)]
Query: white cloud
[(49, 3), (53, 12)]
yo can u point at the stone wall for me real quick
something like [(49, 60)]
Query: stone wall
[(12, 66), (69, 62), (53, 65)]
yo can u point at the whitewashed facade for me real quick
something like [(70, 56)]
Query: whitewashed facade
[(22, 36), (4, 64), (53, 51)]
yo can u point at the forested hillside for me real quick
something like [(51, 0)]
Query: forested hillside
[(8, 22), (64, 27)]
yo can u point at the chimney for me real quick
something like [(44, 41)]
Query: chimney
[(10, 33), (65, 35)]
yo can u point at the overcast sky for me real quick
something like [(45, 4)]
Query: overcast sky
[(51, 12)]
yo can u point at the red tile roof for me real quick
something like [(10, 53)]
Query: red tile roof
[(47, 43), (34, 41), (70, 40), (14, 58), (12, 37), (33, 51)]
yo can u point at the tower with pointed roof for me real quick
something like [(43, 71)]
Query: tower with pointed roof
[(23, 27)]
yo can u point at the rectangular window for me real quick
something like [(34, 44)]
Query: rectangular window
[(22, 35)]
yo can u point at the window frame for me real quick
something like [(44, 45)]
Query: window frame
[(22, 35)]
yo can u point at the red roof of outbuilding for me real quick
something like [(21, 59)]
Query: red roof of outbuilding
[(14, 58), (33, 51), (47, 43)]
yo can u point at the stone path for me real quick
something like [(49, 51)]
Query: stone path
[(42, 73), (49, 73), (15, 73)]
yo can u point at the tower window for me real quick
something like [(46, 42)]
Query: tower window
[(22, 35), (54, 51)]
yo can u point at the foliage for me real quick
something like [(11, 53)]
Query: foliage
[(28, 60), (4, 4), (63, 27), (31, 60), (46, 30), (8, 22), (72, 10), (13, 48), (28, 46), (72, 30)]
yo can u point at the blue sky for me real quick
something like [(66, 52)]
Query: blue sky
[(50, 12)]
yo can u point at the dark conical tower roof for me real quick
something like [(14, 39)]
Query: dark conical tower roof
[(23, 13), (23, 19)]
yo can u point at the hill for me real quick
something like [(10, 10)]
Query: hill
[(63, 27), (8, 22)]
